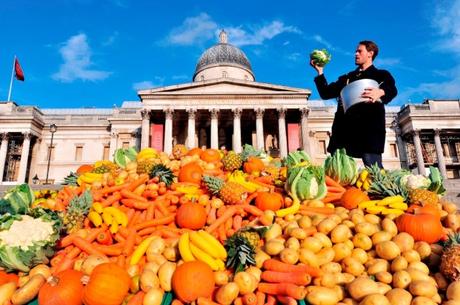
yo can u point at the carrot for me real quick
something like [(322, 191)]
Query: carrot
[(121, 260), (137, 299), (335, 189), (237, 220), (205, 301), (111, 199), (143, 178), (130, 241), (251, 209), (222, 233), (131, 195), (286, 289), (134, 219), (130, 213), (238, 301), (73, 253), (298, 278), (148, 231), (93, 233), (250, 299), (155, 222), (222, 219), (109, 250), (332, 182), (260, 298), (65, 264), (318, 210), (211, 216), (150, 212), (86, 246), (331, 197), (119, 238), (66, 241), (271, 300), (142, 205), (162, 206), (286, 300), (276, 265)]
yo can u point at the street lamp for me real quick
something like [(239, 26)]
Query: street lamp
[(35, 179), (53, 129)]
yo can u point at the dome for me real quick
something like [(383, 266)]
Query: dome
[(224, 55)]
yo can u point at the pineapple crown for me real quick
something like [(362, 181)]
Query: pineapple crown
[(240, 253), (213, 184), (248, 151), (81, 204), (163, 172), (452, 240), (386, 183)]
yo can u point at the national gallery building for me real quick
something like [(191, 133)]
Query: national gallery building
[(224, 106)]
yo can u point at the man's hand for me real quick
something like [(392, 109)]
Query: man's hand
[(316, 67), (373, 94)]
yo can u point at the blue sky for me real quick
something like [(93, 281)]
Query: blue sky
[(97, 53)]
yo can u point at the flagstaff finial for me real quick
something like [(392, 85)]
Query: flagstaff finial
[(223, 37)]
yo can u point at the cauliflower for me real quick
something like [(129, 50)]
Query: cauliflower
[(413, 182)]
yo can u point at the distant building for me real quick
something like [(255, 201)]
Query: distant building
[(224, 106)]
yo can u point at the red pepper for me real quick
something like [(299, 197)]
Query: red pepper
[(104, 238)]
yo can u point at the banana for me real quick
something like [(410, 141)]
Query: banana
[(114, 227), (375, 209), (97, 206), (204, 257), (220, 250), (398, 205), (107, 218), (201, 243), (119, 216), (366, 185), (184, 248), (95, 218), (363, 175), (390, 199), (392, 211), (220, 264), (369, 203)]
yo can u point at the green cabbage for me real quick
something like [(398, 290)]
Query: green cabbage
[(341, 167), (28, 240), (17, 200), (320, 57), (123, 156), (436, 184), (296, 157)]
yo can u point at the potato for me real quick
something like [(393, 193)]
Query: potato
[(321, 296), (411, 256), (441, 281), (383, 288), (452, 221), (329, 279), (449, 207), (389, 226), (362, 287), (246, 282), (165, 274), (405, 241), (360, 255), (148, 280), (171, 254), (307, 257), (156, 246), (349, 223), (371, 218), (363, 241), (331, 267), (304, 222), (384, 277), (398, 296), (153, 297), (292, 243), (260, 258), (227, 293), (273, 247), (381, 236), (221, 277), (41, 269), (422, 288), (327, 243), (6, 291), (375, 299), (273, 232), (401, 279), (289, 256), (340, 234), (422, 301), (341, 251), (399, 263), (451, 302), (326, 226), (352, 265), (29, 291), (366, 228), (326, 255), (387, 250), (453, 291), (423, 249), (420, 266), (357, 218), (379, 265), (312, 243), (91, 262), (349, 301), (417, 275)]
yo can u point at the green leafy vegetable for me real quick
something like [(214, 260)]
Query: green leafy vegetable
[(436, 181), (341, 167), (320, 57), (17, 200)]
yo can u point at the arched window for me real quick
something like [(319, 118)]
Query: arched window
[(224, 74), (202, 77)]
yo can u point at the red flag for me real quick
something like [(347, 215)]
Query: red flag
[(18, 70)]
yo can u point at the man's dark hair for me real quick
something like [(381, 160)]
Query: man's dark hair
[(370, 46)]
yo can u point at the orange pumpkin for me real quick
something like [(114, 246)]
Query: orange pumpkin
[(422, 227), (195, 151), (269, 201), (85, 168), (253, 164), (427, 209), (63, 288), (191, 172), (191, 216), (108, 285), (210, 155), (8, 277), (192, 280), (352, 197)]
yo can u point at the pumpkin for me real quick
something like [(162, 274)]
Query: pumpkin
[(8, 277), (426, 209), (63, 288), (269, 201), (253, 164), (191, 172), (191, 272), (85, 168), (191, 216), (352, 197), (195, 151), (422, 227), (210, 155), (108, 285)]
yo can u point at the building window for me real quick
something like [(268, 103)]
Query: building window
[(78, 152), (49, 151), (125, 145), (202, 77), (224, 74), (393, 150), (105, 152), (322, 147)]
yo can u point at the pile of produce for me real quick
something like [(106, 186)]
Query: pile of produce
[(205, 227)]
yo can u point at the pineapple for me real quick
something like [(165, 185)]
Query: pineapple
[(145, 166), (179, 151), (102, 167), (252, 234), (71, 179), (229, 192), (164, 173), (386, 183), (450, 259), (423, 197), (76, 212), (240, 253), (232, 161)]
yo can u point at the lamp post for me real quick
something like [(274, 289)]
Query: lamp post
[(53, 129), (35, 179)]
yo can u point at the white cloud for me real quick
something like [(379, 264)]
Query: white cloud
[(330, 46), (147, 84), (111, 39), (76, 54), (202, 28), (389, 62), (294, 56), (194, 30), (446, 21)]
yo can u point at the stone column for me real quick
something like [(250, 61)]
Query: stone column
[(401, 146), (282, 132), (145, 129), (237, 130), (191, 128), (215, 128), (418, 152), (24, 157), (167, 147), (3, 151), (439, 153), (260, 128), (113, 143), (304, 128)]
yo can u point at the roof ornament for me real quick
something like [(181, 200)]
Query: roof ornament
[(223, 37)]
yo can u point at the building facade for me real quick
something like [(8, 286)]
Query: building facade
[(224, 106)]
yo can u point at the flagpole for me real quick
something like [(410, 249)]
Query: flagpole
[(11, 81)]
